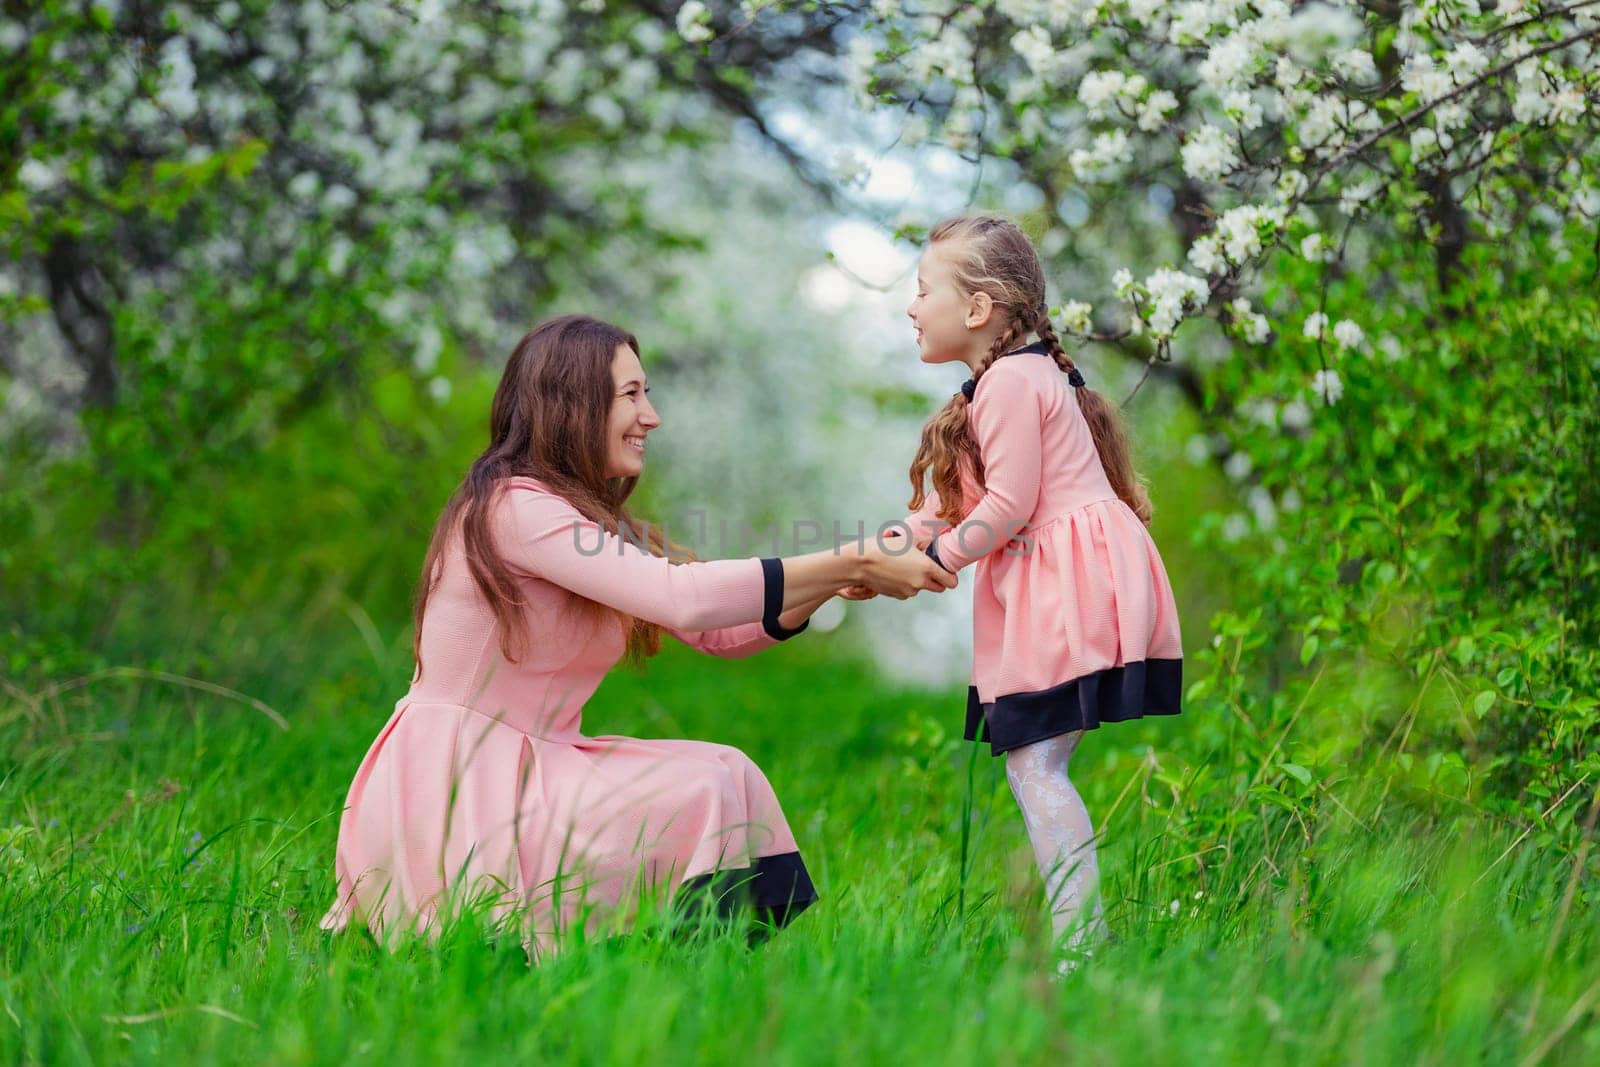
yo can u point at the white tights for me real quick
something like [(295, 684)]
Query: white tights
[(1062, 836)]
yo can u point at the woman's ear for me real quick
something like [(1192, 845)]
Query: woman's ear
[(979, 308)]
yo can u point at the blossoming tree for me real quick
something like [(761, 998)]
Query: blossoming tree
[(365, 176), (1275, 125)]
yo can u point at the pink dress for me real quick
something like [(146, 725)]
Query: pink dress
[(1074, 622), (482, 787)]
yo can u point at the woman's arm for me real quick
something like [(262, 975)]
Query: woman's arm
[(736, 642), (542, 535), (728, 642)]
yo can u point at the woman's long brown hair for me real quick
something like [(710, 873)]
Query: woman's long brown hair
[(548, 421), (993, 256)]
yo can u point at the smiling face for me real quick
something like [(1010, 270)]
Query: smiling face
[(632, 416), (946, 318)]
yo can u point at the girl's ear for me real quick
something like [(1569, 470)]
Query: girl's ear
[(979, 308)]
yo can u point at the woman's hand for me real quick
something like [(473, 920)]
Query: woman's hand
[(904, 573), (856, 592)]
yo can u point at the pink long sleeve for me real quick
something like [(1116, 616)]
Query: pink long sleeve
[(1007, 420), (729, 642), (544, 536)]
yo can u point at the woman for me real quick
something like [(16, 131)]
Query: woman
[(481, 789)]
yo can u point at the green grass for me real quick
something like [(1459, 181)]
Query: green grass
[(170, 850)]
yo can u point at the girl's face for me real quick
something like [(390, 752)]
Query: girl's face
[(942, 313), (632, 416), (952, 327)]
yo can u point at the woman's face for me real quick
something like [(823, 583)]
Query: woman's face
[(632, 417), (940, 310)]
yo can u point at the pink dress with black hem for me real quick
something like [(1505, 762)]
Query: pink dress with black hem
[(482, 786), (1074, 621)]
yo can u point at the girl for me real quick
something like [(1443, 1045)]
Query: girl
[(482, 785), (1074, 622)]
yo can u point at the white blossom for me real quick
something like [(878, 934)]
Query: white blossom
[(1154, 110), (1316, 326), (694, 22), (430, 342), (1315, 248), (1172, 294), (1039, 52), (1191, 21), (338, 198), (1465, 62), (1295, 416), (1228, 64), (1451, 116), (1205, 254), (1567, 104), (1529, 103), (1097, 162), (1353, 198), (1253, 327), (1100, 91), (176, 92), (1357, 65), (1347, 334), (1320, 125), (1423, 141), (1326, 384), (1243, 109), (13, 35), (1208, 154), (304, 186), (37, 177), (1262, 507), (1241, 230), (848, 168), (1419, 75), (1286, 73), (1077, 316), (339, 251)]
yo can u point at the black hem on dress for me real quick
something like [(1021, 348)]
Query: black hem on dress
[(1116, 694), (777, 888), (772, 601)]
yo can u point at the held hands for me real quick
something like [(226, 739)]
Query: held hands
[(901, 574)]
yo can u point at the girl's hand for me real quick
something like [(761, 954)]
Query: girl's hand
[(856, 592)]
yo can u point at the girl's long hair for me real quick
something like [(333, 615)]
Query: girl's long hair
[(548, 421), (993, 256)]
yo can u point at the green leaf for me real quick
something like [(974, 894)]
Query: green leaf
[(1483, 702), (1308, 649), (1273, 796), (14, 207), (1297, 772)]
